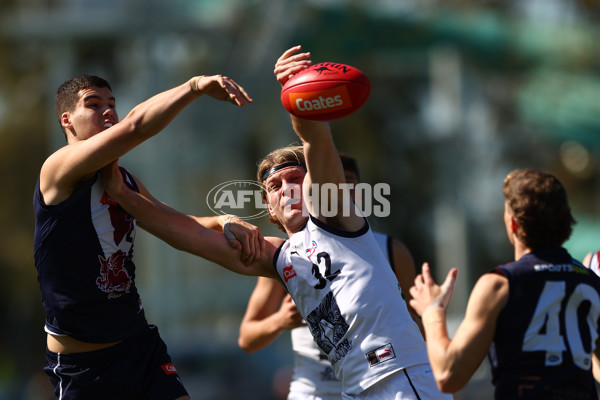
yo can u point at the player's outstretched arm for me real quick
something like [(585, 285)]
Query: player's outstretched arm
[(240, 234), (455, 361), (68, 166), (270, 311), (185, 232), (322, 159)]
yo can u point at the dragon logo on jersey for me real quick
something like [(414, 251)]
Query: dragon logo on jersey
[(328, 327), (114, 278)]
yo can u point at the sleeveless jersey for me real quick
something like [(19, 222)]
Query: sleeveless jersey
[(594, 264), (546, 333), (83, 255), (312, 370), (347, 293), (385, 244)]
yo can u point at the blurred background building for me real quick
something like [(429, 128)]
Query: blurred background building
[(462, 93)]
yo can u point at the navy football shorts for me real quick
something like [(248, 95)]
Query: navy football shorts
[(139, 368)]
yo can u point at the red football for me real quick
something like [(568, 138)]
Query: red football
[(326, 91)]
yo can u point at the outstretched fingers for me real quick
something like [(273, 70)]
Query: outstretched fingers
[(426, 272), (289, 64), (236, 94), (222, 88), (447, 287), (426, 293)]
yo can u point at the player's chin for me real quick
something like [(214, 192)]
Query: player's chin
[(295, 216)]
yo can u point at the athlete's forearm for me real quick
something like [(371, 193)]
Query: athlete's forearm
[(453, 362), (258, 334), (166, 223), (438, 342), (151, 116), (214, 222)]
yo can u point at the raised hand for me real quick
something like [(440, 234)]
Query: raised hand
[(113, 180), (426, 293), (290, 64), (221, 88), (289, 314)]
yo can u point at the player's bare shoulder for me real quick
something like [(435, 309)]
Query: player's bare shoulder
[(273, 243), (59, 177)]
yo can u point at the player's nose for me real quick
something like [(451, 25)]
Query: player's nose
[(109, 112)]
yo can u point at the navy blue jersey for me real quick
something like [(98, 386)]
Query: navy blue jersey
[(83, 255), (547, 331)]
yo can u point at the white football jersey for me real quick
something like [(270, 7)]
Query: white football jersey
[(346, 291), (313, 373), (312, 370), (383, 241)]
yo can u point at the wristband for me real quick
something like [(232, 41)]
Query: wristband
[(226, 229), (194, 83)]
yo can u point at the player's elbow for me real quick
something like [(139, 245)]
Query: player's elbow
[(138, 126), (245, 345), (445, 387), (448, 382)]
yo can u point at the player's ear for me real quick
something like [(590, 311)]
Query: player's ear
[(65, 121), (66, 124), (513, 225)]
